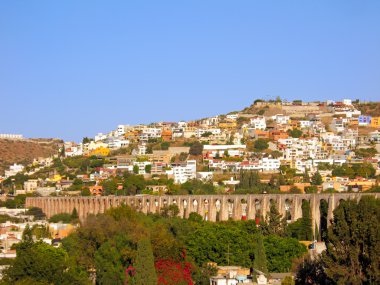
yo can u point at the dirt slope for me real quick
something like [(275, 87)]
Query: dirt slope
[(24, 151)]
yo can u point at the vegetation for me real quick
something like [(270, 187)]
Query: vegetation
[(40, 263), (196, 148), (112, 243), (353, 243), (296, 133), (353, 170), (145, 272), (65, 218), (260, 145)]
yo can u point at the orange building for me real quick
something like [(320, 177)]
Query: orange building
[(278, 134), (96, 190), (375, 122), (166, 135)]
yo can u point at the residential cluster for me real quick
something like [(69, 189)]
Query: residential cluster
[(270, 137)]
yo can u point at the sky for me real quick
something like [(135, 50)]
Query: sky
[(70, 69)]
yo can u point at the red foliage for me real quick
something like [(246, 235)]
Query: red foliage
[(171, 272)]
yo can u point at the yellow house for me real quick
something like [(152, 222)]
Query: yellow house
[(101, 151), (375, 122), (55, 178)]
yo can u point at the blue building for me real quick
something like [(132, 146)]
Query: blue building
[(364, 120)]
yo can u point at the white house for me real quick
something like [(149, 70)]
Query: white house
[(13, 170), (258, 123), (281, 119), (183, 173)]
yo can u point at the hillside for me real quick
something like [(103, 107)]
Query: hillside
[(370, 109), (24, 151)]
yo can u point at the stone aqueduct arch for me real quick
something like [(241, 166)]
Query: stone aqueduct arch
[(210, 207)]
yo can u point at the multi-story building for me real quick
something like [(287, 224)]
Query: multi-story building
[(184, 172), (258, 123)]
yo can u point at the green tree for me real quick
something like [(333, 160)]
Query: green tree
[(274, 221), (85, 192), (306, 232), (316, 179), (196, 148), (136, 169), (353, 243), (60, 218), (281, 251), (144, 264), (40, 263), (260, 259), (260, 144), (311, 271), (74, 216), (165, 145), (296, 133), (148, 168), (37, 213)]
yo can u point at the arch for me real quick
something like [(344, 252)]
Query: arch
[(244, 209), (218, 206), (195, 205), (323, 223), (230, 207), (258, 210), (206, 209), (288, 210)]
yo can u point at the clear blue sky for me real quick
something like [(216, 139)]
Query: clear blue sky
[(70, 69)]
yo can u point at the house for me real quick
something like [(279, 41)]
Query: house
[(13, 170), (258, 123), (364, 120), (281, 119), (232, 275), (375, 122), (30, 185), (184, 172)]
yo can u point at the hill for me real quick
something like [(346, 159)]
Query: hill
[(370, 109), (25, 150)]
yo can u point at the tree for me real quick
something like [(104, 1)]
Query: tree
[(165, 145), (196, 148), (40, 263), (60, 218), (296, 133), (85, 192), (170, 211), (306, 232), (353, 243), (148, 168), (144, 264), (274, 224), (281, 251), (86, 140), (306, 178), (316, 179), (260, 259), (74, 216), (295, 190), (310, 271), (195, 217), (37, 213), (260, 145), (135, 169)]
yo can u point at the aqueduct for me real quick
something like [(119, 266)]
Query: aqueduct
[(210, 207)]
